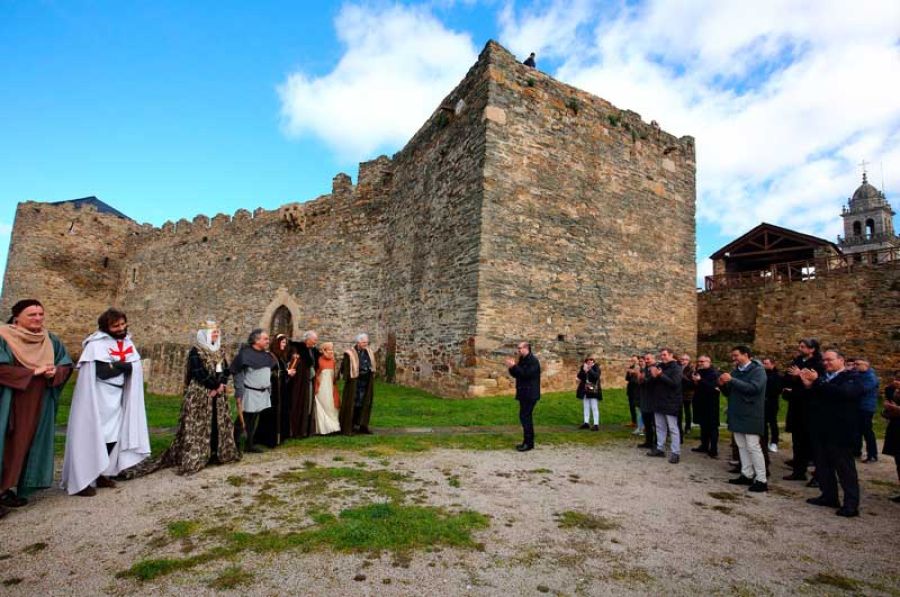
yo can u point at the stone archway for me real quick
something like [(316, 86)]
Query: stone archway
[(282, 322), (282, 315)]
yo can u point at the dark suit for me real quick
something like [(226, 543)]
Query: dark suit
[(832, 423), (798, 397), (528, 391), (706, 409)]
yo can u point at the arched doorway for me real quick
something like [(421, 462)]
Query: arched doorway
[(282, 322)]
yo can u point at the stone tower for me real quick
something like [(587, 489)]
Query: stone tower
[(868, 221)]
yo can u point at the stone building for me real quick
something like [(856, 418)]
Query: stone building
[(868, 224), (522, 208), (772, 286)]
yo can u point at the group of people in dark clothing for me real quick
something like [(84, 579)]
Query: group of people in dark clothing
[(831, 401)]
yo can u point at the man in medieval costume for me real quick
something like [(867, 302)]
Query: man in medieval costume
[(303, 390), (34, 366), (358, 371), (252, 370), (107, 431)]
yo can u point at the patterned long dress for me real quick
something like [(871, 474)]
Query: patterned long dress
[(205, 429)]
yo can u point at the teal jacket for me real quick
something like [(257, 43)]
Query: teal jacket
[(38, 470), (747, 399)]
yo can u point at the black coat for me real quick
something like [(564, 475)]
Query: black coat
[(664, 392), (528, 378), (833, 407), (706, 397), (798, 395), (592, 376)]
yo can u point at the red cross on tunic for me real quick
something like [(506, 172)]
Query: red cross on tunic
[(122, 352)]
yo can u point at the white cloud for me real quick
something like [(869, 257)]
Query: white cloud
[(784, 98), (5, 229), (398, 65)]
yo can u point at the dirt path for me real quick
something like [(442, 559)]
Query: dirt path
[(647, 527)]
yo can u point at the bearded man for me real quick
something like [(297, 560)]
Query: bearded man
[(107, 431), (34, 367)]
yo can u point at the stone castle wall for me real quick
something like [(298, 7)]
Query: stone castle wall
[(856, 311), (519, 210), (70, 259)]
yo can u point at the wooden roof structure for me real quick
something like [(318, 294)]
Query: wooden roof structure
[(768, 244)]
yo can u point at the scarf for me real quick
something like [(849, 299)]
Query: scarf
[(354, 361), (31, 350)]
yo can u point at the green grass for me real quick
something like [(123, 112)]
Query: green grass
[(579, 520), (404, 407), (231, 577), (371, 528)]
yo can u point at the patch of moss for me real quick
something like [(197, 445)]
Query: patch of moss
[(235, 480), (579, 520), (231, 577), (316, 480), (35, 548), (180, 529), (834, 580), (724, 496)]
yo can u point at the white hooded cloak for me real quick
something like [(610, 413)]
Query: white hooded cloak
[(104, 412)]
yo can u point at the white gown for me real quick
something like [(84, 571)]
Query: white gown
[(326, 414)]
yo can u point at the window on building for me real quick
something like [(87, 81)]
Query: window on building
[(857, 229), (870, 228)]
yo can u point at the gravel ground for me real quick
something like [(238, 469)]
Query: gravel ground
[(665, 529)]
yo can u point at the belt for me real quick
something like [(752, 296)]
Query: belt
[(257, 389)]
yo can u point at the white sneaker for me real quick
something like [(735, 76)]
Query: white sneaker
[(773, 448)]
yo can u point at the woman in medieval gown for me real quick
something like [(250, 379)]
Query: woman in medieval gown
[(205, 433), (327, 400), (275, 423)]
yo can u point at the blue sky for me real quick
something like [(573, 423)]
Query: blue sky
[(169, 109)]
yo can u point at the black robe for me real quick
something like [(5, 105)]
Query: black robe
[(348, 417), (302, 395)]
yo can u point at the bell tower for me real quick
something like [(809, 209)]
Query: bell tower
[(868, 221)]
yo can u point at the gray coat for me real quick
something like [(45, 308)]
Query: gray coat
[(747, 399)]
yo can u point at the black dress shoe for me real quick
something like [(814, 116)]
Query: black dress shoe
[(584, 426), (10, 500), (735, 470), (758, 487), (794, 477), (365, 431), (644, 446), (821, 501), (789, 462), (699, 449), (812, 483), (870, 460), (847, 513), (896, 499), (524, 447), (595, 428), (742, 480), (713, 454), (656, 453)]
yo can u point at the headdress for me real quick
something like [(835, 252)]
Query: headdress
[(204, 336)]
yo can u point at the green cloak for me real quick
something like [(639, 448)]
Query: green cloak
[(38, 470)]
